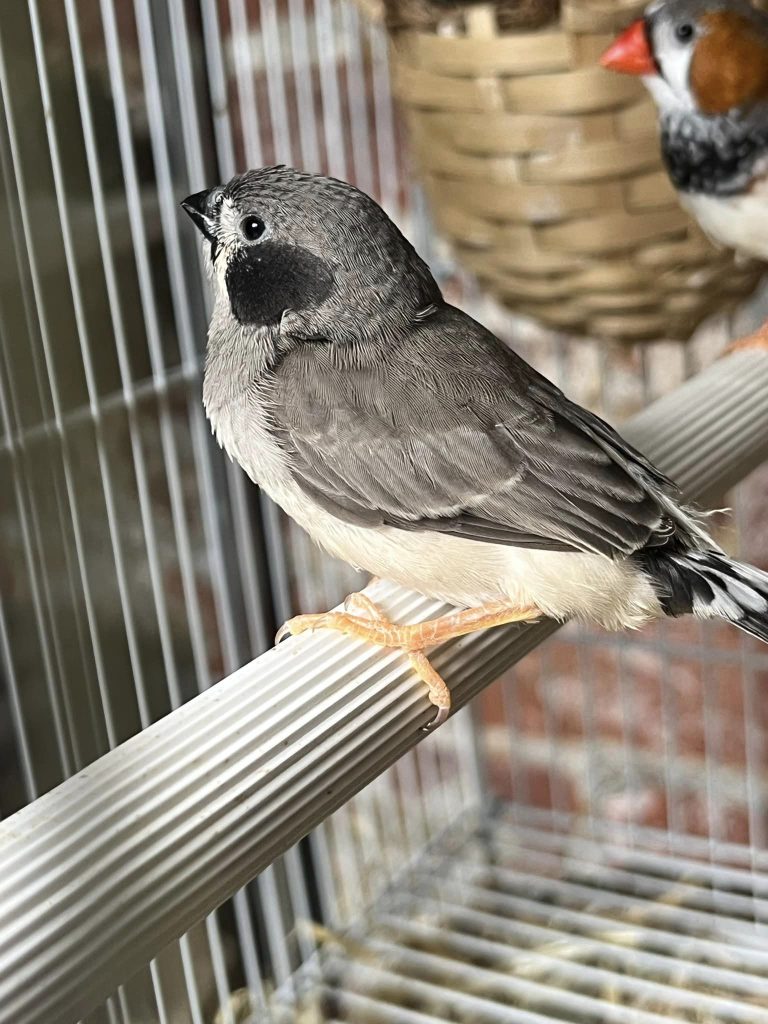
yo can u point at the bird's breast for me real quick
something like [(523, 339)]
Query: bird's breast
[(241, 426), (739, 222)]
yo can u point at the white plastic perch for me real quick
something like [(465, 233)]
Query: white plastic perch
[(101, 873)]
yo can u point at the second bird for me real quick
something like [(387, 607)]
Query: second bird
[(705, 62), (410, 442)]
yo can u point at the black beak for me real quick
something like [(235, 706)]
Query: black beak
[(198, 208)]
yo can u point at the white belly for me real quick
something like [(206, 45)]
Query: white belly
[(739, 222), (451, 569), (469, 573)]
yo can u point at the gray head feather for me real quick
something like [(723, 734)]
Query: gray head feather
[(328, 262)]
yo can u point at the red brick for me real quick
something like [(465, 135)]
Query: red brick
[(527, 782), (646, 806)]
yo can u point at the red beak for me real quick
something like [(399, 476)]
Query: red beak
[(631, 52)]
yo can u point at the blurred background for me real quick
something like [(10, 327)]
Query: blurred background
[(138, 566)]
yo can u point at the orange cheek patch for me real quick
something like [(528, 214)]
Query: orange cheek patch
[(730, 64)]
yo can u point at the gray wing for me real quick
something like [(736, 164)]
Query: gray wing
[(447, 430)]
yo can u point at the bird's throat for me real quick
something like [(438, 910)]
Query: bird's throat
[(712, 156)]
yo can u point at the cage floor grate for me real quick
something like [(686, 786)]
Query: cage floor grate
[(523, 923)]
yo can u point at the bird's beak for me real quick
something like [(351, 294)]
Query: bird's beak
[(631, 52), (197, 208)]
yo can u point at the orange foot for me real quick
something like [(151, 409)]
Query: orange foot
[(759, 339), (370, 624)]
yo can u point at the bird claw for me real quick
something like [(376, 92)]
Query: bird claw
[(440, 717), (283, 633), (362, 618)]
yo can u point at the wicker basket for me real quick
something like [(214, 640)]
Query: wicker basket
[(544, 171)]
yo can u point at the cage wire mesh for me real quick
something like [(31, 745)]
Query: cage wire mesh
[(139, 566)]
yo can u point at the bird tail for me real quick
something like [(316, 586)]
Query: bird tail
[(711, 585)]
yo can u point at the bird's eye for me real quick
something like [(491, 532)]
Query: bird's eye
[(252, 228), (684, 32)]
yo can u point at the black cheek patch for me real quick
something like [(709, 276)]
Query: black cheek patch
[(266, 279)]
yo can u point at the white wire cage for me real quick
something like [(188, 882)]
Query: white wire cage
[(587, 843)]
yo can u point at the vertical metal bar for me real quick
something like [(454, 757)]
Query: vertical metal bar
[(282, 599), (93, 398), (755, 744), (249, 957), (717, 811), (378, 857), (391, 823), (434, 794), (448, 766), (472, 772), (217, 87), (302, 76), (190, 980), (112, 1011), (57, 411), (626, 690), (241, 55), (157, 985), (357, 98), (246, 542), (125, 1011), (278, 104), (582, 635), (275, 926), (26, 514), (151, 320), (297, 887), (447, 769), (711, 741), (335, 142), (340, 880), (375, 808), (347, 861), (550, 729), (518, 777), (411, 800), (118, 327), (386, 144), (31, 515), (322, 860), (670, 722), (218, 962), (628, 719), (19, 728)]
